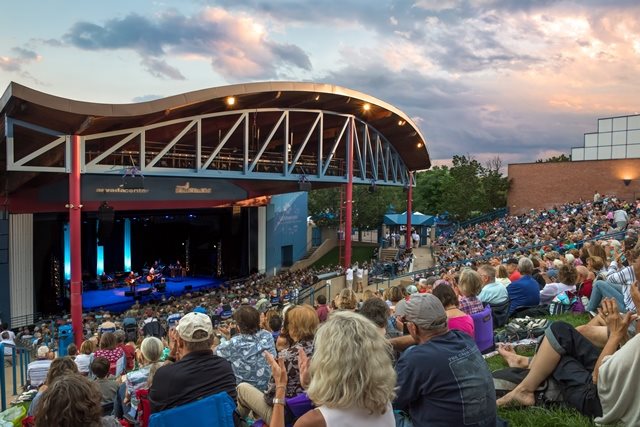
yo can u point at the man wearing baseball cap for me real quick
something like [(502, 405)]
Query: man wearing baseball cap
[(197, 373), (443, 379)]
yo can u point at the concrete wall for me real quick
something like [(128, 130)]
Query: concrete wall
[(321, 251), (286, 225), (543, 185)]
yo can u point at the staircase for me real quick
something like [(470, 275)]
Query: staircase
[(308, 253), (388, 254)]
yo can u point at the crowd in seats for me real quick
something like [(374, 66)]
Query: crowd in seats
[(358, 359)]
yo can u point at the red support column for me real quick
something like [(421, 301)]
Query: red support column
[(408, 239), (349, 196), (76, 247)]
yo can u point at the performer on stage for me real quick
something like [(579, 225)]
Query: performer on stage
[(132, 280)]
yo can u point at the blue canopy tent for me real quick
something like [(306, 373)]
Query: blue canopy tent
[(419, 221)]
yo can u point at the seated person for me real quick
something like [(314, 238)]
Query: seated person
[(618, 283), (345, 390), (301, 323), (37, 370), (107, 385), (598, 383), (59, 368), (456, 318), (492, 292), (83, 360), (567, 278), (469, 286), (126, 405), (72, 400), (455, 387), (524, 292), (244, 350), (183, 381), (109, 350)]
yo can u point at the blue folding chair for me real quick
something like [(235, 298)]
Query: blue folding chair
[(211, 411)]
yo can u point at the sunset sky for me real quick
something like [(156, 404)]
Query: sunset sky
[(521, 79)]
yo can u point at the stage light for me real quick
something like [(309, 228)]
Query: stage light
[(67, 252), (419, 144), (100, 260), (317, 98), (231, 101), (366, 107), (401, 122), (127, 244)]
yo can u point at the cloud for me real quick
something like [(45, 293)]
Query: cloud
[(236, 45), (160, 68), (18, 60)]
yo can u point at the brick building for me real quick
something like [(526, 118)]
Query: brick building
[(542, 185)]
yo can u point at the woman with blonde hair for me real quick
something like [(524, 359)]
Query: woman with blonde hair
[(346, 300), (502, 275), (350, 376), (469, 286), (83, 360), (126, 403)]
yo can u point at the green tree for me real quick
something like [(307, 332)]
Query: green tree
[(429, 190), (463, 193), (555, 159)]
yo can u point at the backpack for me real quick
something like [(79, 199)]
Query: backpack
[(566, 302), (519, 329), (505, 380), (153, 329)]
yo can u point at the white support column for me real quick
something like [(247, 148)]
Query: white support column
[(21, 265), (262, 238)]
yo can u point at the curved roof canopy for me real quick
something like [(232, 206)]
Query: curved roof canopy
[(86, 118)]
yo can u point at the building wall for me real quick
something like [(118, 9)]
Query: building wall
[(286, 225), (542, 185)]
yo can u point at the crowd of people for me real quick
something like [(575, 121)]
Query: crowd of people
[(359, 358)]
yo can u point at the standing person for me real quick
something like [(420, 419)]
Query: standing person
[(455, 387), (596, 198), (9, 345), (620, 218), (416, 239), (348, 275), (359, 278)]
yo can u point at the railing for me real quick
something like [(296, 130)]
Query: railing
[(498, 213), (23, 357)]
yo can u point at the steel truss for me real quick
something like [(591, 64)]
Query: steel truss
[(299, 145)]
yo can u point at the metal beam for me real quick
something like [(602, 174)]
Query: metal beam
[(224, 141), (267, 141), (173, 142), (335, 146)]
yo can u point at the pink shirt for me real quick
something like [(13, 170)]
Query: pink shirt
[(464, 324)]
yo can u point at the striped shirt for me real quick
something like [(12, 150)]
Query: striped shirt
[(37, 372), (625, 277)]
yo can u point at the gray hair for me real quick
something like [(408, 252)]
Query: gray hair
[(525, 266)]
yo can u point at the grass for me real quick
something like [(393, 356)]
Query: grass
[(543, 416), (359, 254)]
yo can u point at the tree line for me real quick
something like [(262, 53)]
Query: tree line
[(465, 189)]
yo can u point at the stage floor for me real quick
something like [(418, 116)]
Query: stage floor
[(115, 299)]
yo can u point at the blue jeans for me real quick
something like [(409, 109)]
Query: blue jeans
[(603, 289)]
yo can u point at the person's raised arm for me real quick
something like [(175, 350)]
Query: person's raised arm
[(617, 326), (279, 373)]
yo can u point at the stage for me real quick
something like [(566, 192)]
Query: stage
[(116, 300)]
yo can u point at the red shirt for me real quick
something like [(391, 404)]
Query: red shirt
[(515, 276), (129, 354), (585, 289), (323, 312)]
